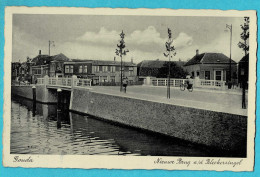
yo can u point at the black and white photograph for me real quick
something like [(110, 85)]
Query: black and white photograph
[(130, 88)]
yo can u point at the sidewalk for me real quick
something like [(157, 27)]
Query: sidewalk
[(236, 91), (227, 105)]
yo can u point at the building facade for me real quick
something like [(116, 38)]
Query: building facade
[(82, 69), (101, 72), (243, 68), (210, 66), (109, 72)]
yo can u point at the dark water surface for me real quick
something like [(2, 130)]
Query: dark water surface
[(34, 130)]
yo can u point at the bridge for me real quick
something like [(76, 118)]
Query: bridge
[(64, 83)]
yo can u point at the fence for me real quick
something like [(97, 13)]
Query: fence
[(67, 82), (83, 82), (40, 81), (212, 83), (197, 83), (164, 82)]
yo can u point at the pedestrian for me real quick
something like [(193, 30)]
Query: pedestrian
[(125, 82), (190, 83)]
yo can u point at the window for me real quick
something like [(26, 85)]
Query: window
[(131, 73), (112, 78), (85, 69), (109, 68), (207, 75), (118, 68), (131, 68), (104, 68), (100, 68), (198, 73), (104, 79), (192, 74), (242, 72), (218, 76), (95, 69), (67, 69), (71, 68), (80, 69), (113, 69)]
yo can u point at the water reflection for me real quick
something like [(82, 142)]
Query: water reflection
[(34, 130)]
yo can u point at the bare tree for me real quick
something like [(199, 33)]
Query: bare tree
[(170, 51), (244, 36), (120, 52)]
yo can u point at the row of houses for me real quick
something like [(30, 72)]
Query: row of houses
[(208, 66), (205, 66), (99, 71)]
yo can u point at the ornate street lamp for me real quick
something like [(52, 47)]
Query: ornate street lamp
[(120, 52)]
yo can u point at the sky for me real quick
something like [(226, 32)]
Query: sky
[(96, 36)]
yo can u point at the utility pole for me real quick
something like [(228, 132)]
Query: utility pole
[(120, 52), (51, 43), (170, 50), (230, 73)]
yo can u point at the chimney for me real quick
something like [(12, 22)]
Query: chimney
[(197, 52), (132, 60), (40, 52), (114, 58)]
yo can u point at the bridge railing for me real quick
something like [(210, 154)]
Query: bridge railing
[(40, 81), (212, 83), (67, 82), (83, 82), (196, 83), (164, 82)]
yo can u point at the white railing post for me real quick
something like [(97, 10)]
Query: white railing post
[(46, 80), (74, 81)]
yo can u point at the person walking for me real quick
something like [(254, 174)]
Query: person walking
[(190, 82), (125, 82)]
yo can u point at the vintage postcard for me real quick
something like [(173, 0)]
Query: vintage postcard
[(129, 88)]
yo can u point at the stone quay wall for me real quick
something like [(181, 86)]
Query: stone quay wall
[(216, 129), (43, 94)]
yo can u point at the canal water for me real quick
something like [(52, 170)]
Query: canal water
[(34, 130)]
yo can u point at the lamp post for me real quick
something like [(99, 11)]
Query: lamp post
[(120, 52), (230, 29)]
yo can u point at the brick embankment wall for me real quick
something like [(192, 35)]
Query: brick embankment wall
[(215, 129), (43, 94)]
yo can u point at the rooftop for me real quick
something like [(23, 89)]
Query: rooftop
[(209, 58), (157, 63), (46, 59), (103, 62), (245, 58)]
